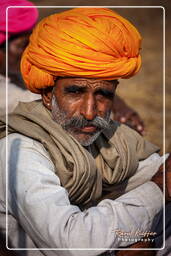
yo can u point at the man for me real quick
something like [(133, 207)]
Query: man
[(65, 154), (20, 24)]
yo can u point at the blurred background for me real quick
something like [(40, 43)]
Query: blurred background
[(145, 91)]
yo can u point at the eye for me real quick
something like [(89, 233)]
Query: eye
[(105, 93), (74, 90)]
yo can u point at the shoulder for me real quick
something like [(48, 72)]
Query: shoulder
[(17, 138), (117, 129), (22, 145), (124, 137)]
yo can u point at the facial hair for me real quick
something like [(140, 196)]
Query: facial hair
[(77, 122)]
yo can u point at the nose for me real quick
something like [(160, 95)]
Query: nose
[(88, 107)]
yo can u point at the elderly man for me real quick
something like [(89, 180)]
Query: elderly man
[(76, 179)]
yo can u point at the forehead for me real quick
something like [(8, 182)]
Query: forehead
[(86, 82)]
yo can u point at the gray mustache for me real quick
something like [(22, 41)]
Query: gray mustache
[(81, 122)]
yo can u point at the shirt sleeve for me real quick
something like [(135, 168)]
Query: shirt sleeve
[(37, 199)]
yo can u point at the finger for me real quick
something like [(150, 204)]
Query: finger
[(168, 163), (123, 119), (168, 182), (168, 176), (137, 122)]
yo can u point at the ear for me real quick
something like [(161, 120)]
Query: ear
[(47, 97), (116, 82)]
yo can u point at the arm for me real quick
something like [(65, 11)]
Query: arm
[(126, 115), (158, 179), (46, 215)]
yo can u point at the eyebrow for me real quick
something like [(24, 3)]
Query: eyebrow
[(73, 88), (105, 92)]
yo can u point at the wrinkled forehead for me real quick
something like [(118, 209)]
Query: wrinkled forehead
[(86, 82)]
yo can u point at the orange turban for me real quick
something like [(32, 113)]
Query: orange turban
[(81, 42)]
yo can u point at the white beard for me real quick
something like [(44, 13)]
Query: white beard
[(60, 117)]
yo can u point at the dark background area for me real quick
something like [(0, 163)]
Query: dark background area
[(144, 92)]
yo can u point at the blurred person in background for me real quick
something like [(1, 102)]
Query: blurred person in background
[(20, 24)]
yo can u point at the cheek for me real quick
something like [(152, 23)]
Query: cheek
[(70, 106), (104, 107)]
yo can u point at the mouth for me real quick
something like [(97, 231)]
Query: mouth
[(88, 129)]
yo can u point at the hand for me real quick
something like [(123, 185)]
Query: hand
[(168, 176), (3, 250), (158, 178), (124, 114), (138, 252)]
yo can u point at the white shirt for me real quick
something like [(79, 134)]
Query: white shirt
[(15, 94), (38, 202)]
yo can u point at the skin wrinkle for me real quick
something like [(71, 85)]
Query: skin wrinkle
[(61, 118), (91, 83), (76, 109)]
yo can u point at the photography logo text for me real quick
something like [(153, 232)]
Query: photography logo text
[(135, 236)]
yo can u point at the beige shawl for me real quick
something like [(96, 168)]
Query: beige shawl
[(87, 177)]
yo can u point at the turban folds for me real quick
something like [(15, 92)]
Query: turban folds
[(81, 42), (19, 19)]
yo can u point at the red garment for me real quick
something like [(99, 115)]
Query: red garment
[(19, 19)]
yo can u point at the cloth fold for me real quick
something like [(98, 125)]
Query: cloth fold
[(87, 177), (81, 42)]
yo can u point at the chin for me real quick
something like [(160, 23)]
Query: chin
[(86, 140)]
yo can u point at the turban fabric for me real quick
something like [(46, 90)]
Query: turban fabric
[(81, 42), (19, 19)]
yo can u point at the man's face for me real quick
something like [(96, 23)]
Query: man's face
[(15, 50), (83, 106), (16, 47)]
